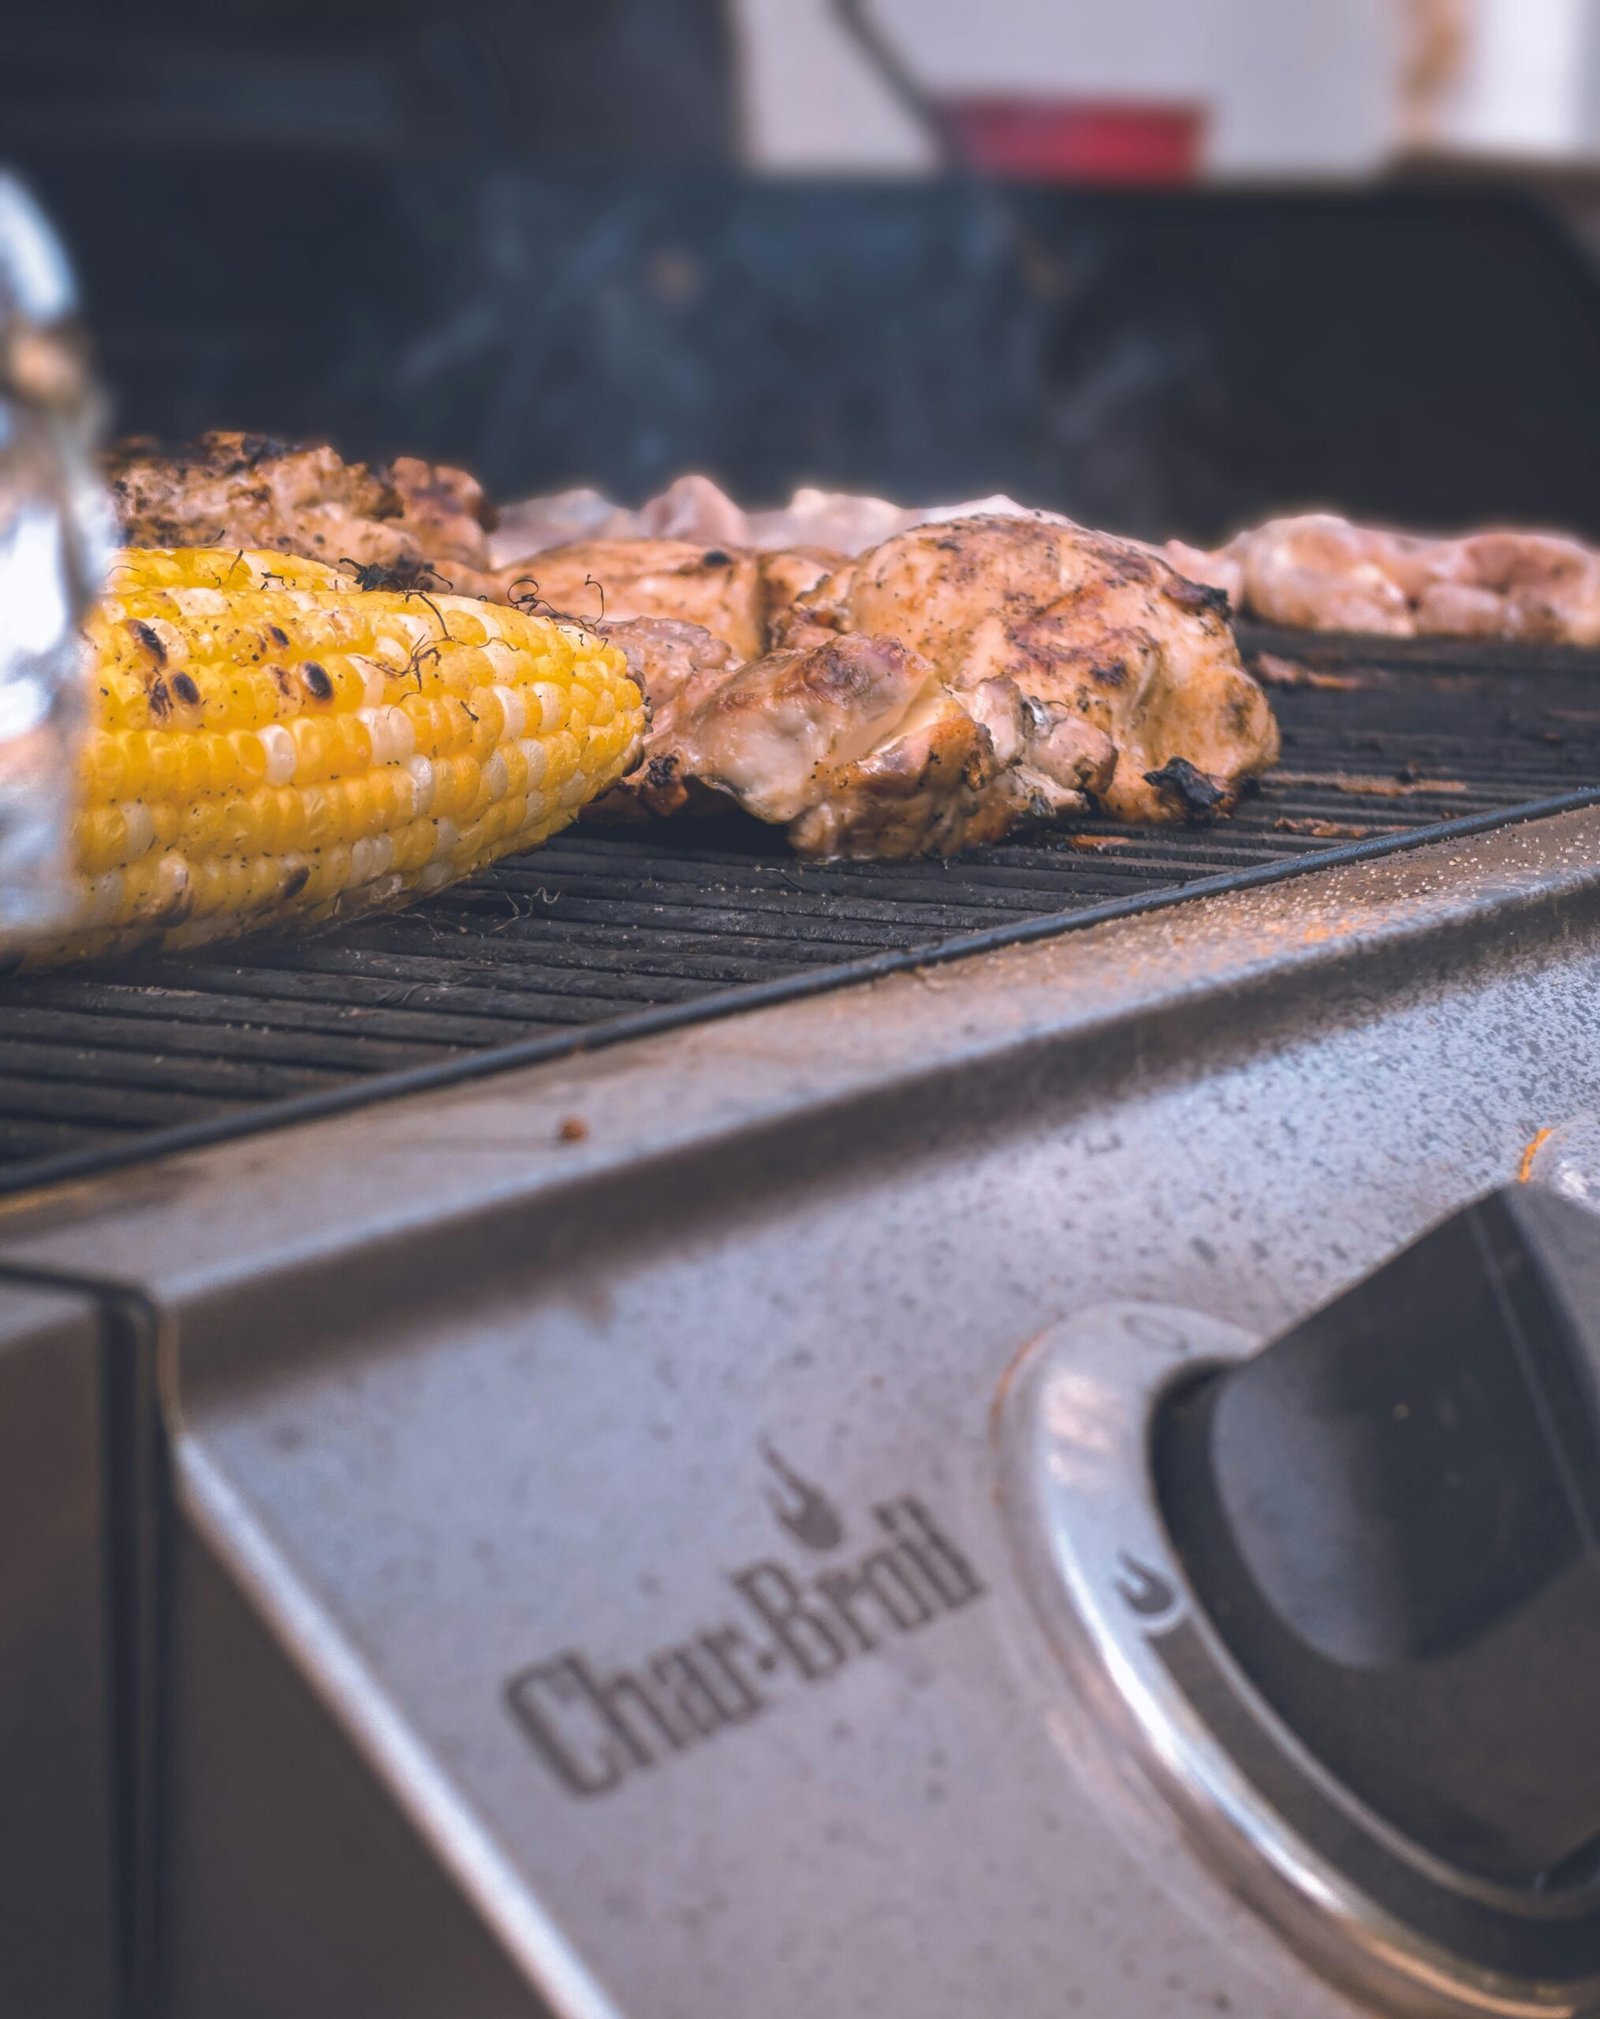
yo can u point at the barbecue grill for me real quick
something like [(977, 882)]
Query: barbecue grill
[(612, 933), (657, 1434), (347, 1683)]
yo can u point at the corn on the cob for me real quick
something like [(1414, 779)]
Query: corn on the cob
[(271, 744)]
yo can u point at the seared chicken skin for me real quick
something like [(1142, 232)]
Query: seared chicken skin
[(1096, 668)]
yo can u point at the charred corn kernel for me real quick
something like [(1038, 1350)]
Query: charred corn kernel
[(270, 743)]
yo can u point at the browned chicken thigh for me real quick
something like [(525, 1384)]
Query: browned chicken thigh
[(854, 744), (735, 593), (960, 677), (1095, 666), (715, 587), (678, 667), (788, 572)]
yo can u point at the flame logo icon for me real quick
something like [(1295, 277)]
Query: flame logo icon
[(803, 1509), (1143, 1590)]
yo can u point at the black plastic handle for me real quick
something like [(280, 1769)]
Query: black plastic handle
[(1391, 1516)]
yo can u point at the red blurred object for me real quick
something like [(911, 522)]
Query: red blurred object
[(1079, 139)]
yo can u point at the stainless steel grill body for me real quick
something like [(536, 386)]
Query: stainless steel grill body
[(448, 1397)]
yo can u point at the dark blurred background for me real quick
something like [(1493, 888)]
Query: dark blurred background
[(542, 240)]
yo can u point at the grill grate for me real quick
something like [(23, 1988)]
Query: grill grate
[(607, 931)]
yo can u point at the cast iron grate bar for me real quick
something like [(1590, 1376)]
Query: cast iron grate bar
[(610, 931)]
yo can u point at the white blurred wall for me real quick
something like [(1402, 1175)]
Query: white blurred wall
[(1294, 87), (1529, 85)]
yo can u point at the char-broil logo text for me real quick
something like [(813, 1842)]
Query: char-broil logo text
[(595, 1725)]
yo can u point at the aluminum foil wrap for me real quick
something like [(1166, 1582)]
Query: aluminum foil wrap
[(56, 538)]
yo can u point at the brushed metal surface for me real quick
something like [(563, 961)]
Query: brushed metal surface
[(458, 1398), (58, 1924)]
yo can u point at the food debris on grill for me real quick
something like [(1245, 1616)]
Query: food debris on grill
[(1200, 796), (1275, 671), (1530, 1152), (1369, 786), (1329, 830)]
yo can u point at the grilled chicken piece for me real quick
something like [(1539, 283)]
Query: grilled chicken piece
[(248, 491), (839, 519), (854, 744), (1548, 585), (1320, 573), (1129, 682), (446, 513), (678, 668), (1218, 570), (788, 572), (959, 678), (691, 508), (695, 509), (710, 586)]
